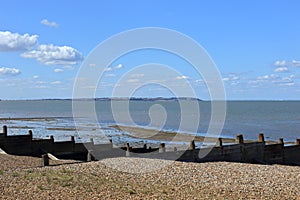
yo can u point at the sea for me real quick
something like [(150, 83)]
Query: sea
[(276, 119)]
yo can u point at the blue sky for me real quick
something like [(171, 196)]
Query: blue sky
[(255, 45)]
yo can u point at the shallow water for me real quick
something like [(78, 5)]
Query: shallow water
[(54, 117)]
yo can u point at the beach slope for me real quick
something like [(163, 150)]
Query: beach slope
[(23, 179)]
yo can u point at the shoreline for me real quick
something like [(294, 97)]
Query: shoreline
[(153, 134), (162, 135), (147, 133)]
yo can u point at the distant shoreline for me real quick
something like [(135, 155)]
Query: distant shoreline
[(152, 99), (109, 99)]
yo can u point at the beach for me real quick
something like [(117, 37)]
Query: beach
[(23, 178)]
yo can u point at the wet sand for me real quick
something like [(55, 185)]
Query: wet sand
[(153, 134)]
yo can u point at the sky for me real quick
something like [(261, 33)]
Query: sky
[(255, 45)]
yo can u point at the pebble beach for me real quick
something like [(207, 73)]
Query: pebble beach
[(139, 178)]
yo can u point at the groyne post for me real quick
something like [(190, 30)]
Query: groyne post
[(261, 137), (90, 156), (219, 142), (45, 160), (162, 148), (280, 141), (145, 146), (72, 139), (4, 128), (192, 153), (30, 133), (128, 150), (111, 143), (239, 139), (192, 145), (297, 141), (92, 141)]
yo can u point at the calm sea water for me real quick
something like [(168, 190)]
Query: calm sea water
[(54, 117)]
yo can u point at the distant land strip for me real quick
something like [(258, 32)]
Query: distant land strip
[(114, 98)]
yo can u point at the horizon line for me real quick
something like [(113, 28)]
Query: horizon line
[(143, 98)]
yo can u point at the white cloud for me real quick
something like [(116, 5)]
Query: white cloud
[(281, 69), (275, 79), (295, 63), (279, 63), (92, 65), (119, 66), (16, 42), (108, 69), (288, 84), (232, 79), (293, 76), (40, 82), (68, 67), (54, 55), (182, 77), (110, 75), (4, 71), (46, 22), (40, 86), (55, 82), (265, 77), (133, 80), (234, 83), (199, 81), (35, 77), (58, 70), (284, 81), (137, 75), (268, 77), (272, 78)]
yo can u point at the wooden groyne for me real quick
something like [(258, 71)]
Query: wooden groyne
[(241, 151), (29, 146)]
